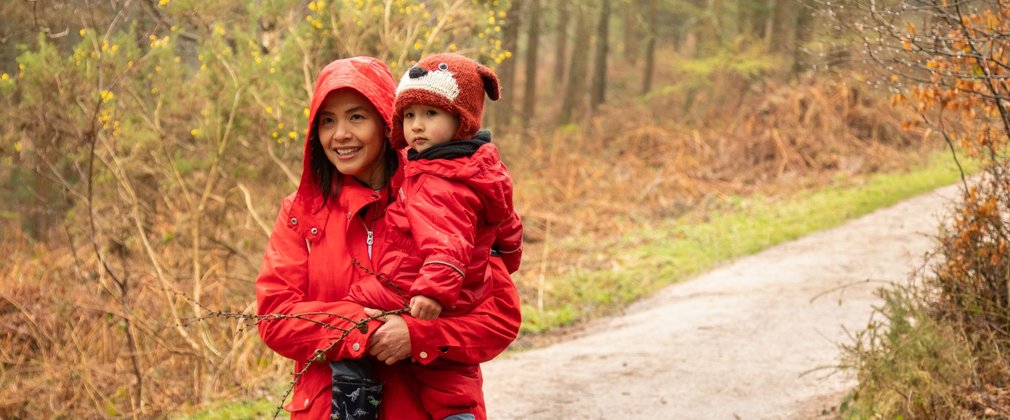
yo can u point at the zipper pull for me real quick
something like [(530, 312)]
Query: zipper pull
[(370, 241)]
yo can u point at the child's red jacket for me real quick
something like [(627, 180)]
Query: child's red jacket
[(449, 215)]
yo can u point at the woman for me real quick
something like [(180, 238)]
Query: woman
[(327, 228)]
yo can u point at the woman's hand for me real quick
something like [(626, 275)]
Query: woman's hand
[(391, 342)]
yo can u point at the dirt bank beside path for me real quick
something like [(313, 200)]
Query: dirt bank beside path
[(743, 341)]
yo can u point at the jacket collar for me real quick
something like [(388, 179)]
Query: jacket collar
[(453, 149), (354, 196)]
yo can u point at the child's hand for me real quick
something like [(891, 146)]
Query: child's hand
[(423, 307)]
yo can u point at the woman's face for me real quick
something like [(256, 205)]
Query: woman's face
[(353, 136)]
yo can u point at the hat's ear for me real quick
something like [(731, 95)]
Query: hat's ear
[(490, 81)]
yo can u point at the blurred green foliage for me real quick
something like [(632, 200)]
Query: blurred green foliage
[(173, 88)]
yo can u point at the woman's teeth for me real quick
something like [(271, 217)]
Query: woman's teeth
[(347, 150)]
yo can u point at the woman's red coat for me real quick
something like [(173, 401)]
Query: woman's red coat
[(307, 270)]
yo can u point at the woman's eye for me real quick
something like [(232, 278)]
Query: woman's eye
[(326, 121), (357, 117)]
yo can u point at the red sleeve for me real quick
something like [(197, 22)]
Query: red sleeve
[(443, 220), (476, 337), (509, 242), (281, 288)]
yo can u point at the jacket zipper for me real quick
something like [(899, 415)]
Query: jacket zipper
[(370, 240)]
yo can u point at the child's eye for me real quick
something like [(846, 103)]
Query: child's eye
[(431, 113), (408, 115)]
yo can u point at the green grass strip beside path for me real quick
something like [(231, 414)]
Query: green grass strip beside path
[(678, 249), (238, 409)]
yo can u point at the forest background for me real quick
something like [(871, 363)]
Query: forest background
[(146, 145)]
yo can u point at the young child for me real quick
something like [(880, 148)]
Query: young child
[(453, 212)]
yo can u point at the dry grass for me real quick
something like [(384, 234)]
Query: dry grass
[(64, 350), (581, 188)]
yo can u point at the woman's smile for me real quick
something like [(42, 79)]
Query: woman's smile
[(346, 152)]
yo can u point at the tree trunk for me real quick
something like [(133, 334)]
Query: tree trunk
[(507, 69), (632, 32), (729, 26), (784, 24), (804, 33), (602, 46), (715, 19), (561, 41), (37, 218), (650, 48), (754, 17), (704, 37), (742, 17), (689, 44), (838, 53), (532, 43), (769, 23), (575, 87)]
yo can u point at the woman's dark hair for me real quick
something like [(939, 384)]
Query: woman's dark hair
[(328, 176)]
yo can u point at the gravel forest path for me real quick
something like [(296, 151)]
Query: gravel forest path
[(753, 339)]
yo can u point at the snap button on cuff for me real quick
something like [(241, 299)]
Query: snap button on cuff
[(423, 354), (294, 221), (356, 347), (314, 231)]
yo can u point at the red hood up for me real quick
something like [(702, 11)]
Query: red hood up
[(366, 75)]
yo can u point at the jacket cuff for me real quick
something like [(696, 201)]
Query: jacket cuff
[(440, 278), (426, 341), (354, 345)]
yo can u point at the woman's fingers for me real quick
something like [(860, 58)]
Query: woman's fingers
[(391, 342), (387, 354), (376, 344), (375, 312)]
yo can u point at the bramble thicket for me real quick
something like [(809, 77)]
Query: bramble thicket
[(938, 348)]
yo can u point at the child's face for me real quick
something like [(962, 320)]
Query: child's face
[(425, 126)]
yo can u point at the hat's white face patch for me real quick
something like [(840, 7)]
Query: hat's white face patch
[(440, 82)]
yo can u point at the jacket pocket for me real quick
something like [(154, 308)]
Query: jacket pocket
[(308, 395)]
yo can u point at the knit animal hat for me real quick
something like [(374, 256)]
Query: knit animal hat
[(448, 81)]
